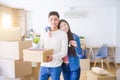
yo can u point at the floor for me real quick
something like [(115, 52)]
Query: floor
[(35, 71), (112, 69)]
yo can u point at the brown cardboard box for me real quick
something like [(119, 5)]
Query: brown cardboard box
[(83, 75), (93, 76), (83, 45), (35, 73), (10, 34), (14, 68), (13, 50), (27, 77), (85, 64), (36, 55), (8, 78)]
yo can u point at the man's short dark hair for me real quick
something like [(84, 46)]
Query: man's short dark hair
[(53, 13)]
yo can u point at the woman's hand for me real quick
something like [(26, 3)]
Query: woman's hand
[(73, 43)]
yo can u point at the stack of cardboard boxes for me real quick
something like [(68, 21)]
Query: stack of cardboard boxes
[(85, 66), (36, 56), (12, 66)]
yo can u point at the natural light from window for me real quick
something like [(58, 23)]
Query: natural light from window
[(6, 20)]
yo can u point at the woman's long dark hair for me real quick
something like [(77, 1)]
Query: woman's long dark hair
[(71, 49)]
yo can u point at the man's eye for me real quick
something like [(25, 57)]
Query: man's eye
[(51, 19), (55, 19)]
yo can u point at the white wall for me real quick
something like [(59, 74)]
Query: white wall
[(97, 24), (38, 18), (118, 26), (117, 34)]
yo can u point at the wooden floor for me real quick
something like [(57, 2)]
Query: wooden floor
[(112, 69), (35, 72), (83, 76)]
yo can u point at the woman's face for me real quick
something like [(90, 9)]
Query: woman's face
[(64, 26)]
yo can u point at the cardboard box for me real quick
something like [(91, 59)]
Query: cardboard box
[(14, 68), (93, 76), (36, 55), (83, 75), (28, 77), (35, 73), (10, 34), (85, 64), (117, 74), (83, 45), (7, 78), (13, 50)]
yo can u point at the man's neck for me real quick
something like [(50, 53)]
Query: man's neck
[(54, 29)]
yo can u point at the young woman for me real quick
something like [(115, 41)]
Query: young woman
[(70, 66)]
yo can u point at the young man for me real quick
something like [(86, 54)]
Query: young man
[(59, 43)]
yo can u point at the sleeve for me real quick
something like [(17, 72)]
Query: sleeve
[(63, 49), (78, 49), (41, 41), (47, 28)]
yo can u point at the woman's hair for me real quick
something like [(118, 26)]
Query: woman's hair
[(53, 13), (71, 49)]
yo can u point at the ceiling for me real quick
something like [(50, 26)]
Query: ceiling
[(37, 4)]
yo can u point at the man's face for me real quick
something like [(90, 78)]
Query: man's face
[(53, 20)]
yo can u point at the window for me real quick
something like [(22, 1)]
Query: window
[(6, 20)]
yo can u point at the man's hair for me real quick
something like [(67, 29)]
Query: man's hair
[(53, 13)]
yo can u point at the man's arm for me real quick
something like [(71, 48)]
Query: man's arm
[(47, 28), (64, 48)]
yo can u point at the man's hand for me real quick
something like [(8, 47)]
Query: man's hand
[(49, 58), (49, 33)]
